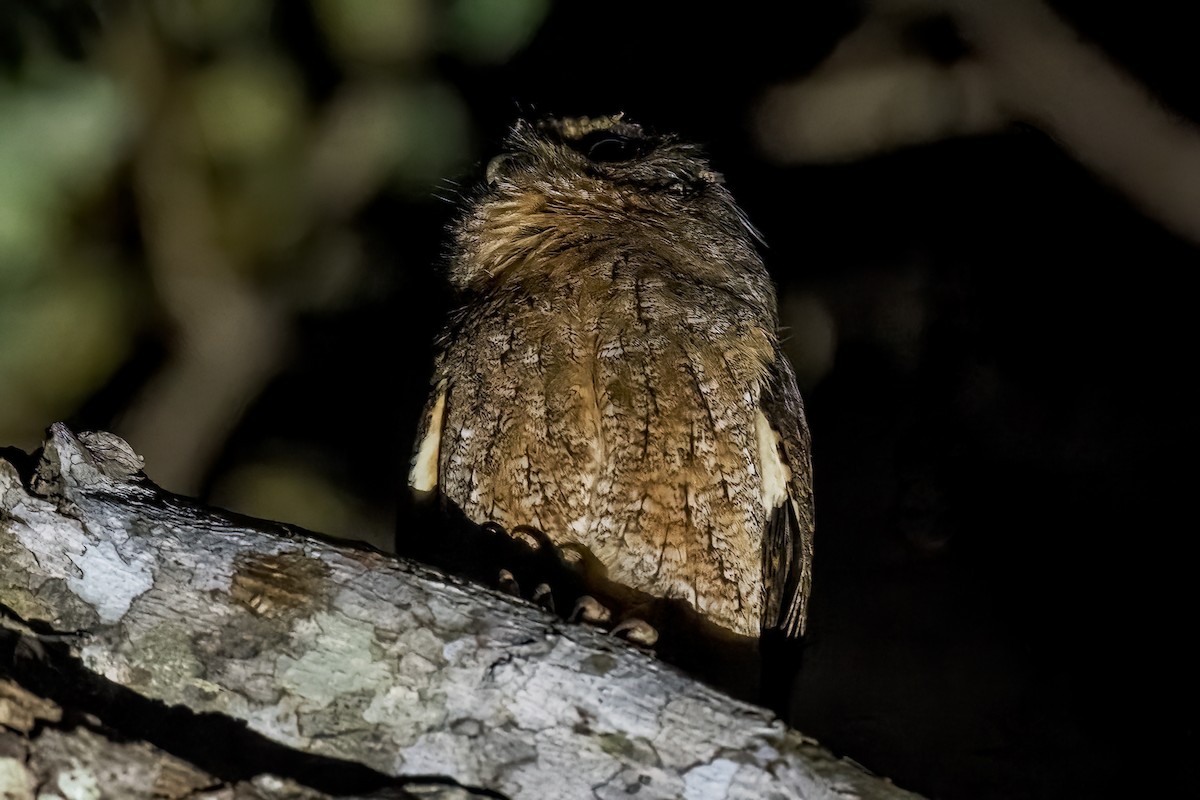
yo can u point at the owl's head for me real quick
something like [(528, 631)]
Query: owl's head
[(564, 185), (572, 153)]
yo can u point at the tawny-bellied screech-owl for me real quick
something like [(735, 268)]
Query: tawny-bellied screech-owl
[(613, 376)]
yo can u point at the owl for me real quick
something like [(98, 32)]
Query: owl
[(612, 375)]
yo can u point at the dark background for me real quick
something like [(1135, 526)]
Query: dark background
[(996, 342)]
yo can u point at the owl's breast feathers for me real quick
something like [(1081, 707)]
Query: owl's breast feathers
[(652, 420)]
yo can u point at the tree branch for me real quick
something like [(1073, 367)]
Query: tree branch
[(249, 648)]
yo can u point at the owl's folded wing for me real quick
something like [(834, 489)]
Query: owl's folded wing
[(423, 474), (786, 463)]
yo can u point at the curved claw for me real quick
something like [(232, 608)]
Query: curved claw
[(508, 583), (588, 609), (543, 596), (637, 631), (537, 534), (581, 559)]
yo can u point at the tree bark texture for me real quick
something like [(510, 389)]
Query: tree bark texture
[(245, 657)]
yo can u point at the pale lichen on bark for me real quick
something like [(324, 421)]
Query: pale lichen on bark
[(350, 654)]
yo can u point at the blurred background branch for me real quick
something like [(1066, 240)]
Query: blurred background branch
[(993, 64)]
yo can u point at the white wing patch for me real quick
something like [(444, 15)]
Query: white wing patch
[(424, 473), (776, 476)]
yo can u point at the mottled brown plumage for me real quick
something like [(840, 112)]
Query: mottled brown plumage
[(613, 376)]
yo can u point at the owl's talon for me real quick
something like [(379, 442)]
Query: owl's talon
[(580, 559), (588, 609), (636, 631), (508, 584), (544, 597), (539, 536), (494, 527)]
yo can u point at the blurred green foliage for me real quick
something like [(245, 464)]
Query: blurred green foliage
[(64, 311), (373, 32), (494, 30), (176, 163)]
